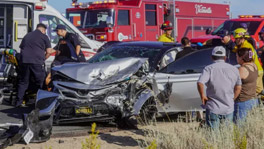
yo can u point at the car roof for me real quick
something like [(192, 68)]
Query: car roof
[(149, 44)]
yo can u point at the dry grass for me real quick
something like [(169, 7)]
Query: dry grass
[(92, 142), (191, 136)]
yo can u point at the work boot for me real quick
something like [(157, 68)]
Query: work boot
[(19, 104)]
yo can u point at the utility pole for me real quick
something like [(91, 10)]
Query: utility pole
[(175, 33)]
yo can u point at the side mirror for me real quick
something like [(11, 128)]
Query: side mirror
[(109, 21), (208, 31)]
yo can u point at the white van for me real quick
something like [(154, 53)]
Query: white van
[(18, 17)]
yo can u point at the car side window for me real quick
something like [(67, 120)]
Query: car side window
[(168, 58), (193, 63), (51, 23), (123, 17)]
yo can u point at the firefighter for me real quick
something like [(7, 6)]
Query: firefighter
[(35, 48), (68, 47), (226, 40), (248, 37), (240, 36), (166, 36), (227, 43)]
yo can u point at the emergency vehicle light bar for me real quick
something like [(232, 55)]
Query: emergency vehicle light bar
[(251, 16), (40, 6), (104, 2), (83, 5), (87, 4)]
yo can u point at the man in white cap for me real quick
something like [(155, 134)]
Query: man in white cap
[(223, 85)]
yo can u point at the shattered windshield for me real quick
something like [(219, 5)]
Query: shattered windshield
[(118, 52), (232, 25)]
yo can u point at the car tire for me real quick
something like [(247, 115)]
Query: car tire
[(148, 112), (147, 115)]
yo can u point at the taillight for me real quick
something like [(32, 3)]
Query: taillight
[(101, 37), (40, 6)]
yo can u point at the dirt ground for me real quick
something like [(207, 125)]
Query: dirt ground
[(122, 139)]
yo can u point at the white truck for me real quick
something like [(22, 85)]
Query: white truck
[(18, 17)]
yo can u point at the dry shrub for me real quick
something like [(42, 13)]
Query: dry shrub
[(180, 135), (92, 142)]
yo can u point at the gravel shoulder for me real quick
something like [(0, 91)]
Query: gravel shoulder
[(122, 139)]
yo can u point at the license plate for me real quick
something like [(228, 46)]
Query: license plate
[(28, 136), (84, 110)]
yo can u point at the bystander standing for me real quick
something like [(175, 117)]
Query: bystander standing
[(249, 73), (241, 42), (223, 86), (186, 47)]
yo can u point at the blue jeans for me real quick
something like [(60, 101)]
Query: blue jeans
[(242, 108), (214, 120)]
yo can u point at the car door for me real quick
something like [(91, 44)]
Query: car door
[(179, 81)]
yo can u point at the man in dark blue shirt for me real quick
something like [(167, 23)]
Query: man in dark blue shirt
[(35, 48), (68, 47)]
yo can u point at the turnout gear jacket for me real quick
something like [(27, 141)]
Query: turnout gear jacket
[(165, 38)]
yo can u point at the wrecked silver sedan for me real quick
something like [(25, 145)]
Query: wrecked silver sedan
[(119, 90), (176, 77)]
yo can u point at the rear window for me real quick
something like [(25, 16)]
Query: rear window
[(232, 25)]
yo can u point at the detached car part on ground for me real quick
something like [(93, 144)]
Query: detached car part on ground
[(118, 90)]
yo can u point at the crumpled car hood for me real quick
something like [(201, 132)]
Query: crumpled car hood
[(102, 73)]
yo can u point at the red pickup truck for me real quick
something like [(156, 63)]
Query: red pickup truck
[(254, 24)]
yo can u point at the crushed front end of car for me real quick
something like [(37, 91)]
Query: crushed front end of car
[(118, 90)]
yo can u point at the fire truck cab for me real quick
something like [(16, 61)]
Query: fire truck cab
[(254, 24), (140, 20), (18, 17)]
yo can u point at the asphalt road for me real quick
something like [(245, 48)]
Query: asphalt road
[(11, 115)]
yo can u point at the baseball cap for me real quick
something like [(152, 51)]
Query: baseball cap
[(60, 26), (219, 51), (223, 33)]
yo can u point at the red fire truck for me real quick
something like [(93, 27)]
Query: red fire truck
[(140, 20), (254, 23)]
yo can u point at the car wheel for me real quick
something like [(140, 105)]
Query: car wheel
[(148, 112), (147, 115)]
